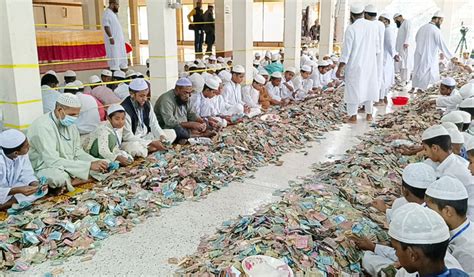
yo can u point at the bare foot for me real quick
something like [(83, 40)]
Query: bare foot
[(385, 101), (369, 117), (352, 119), (361, 110), (419, 91), (380, 103)]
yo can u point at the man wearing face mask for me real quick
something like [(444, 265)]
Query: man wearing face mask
[(17, 179), (429, 42), (56, 152), (405, 47)]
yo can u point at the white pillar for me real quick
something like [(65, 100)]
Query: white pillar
[(342, 19), (292, 33), (89, 14), (123, 16), (223, 24), (327, 27), (242, 22), (162, 46), (20, 91)]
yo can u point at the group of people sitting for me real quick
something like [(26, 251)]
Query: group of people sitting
[(463, 64)]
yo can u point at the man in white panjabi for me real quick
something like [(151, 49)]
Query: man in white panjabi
[(113, 37), (370, 13), (359, 64), (251, 94), (428, 44), (303, 83), (389, 57), (232, 93), (405, 47)]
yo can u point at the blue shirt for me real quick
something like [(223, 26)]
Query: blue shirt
[(274, 67), (449, 273)]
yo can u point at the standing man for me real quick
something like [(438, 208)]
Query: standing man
[(389, 58), (359, 64), (315, 30), (197, 16), (113, 37), (209, 28), (428, 43), (405, 47)]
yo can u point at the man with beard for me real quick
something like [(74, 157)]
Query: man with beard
[(174, 111), (113, 37), (429, 43), (405, 47)]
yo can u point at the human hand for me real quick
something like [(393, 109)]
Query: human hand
[(379, 204), (25, 190), (157, 145), (123, 160), (112, 41), (99, 166), (397, 58), (339, 74), (405, 45), (363, 243)]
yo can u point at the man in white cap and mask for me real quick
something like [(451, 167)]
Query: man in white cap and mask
[(359, 64), (448, 197), (389, 57), (17, 180), (275, 65), (429, 42), (56, 152), (405, 47), (142, 133), (113, 37), (232, 93), (69, 77), (251, 95)]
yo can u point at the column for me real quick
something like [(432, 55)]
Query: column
[(91, 14), (223, 16), (242, 23), (327, 27), (162, 47), (342, 19), (20, 92), (123, 18), (135, 37), (292, 33)]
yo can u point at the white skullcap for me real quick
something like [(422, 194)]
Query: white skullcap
[(131, 73), (200, 65), (434, 131), (106, 72), (291, 69), (452, 117), (225, 76), (70, 73), (397, 15), (310, 63), (257, 54), (419, 175), (138, 84), (218, 66), (94, 79), (386, 16), (275, 57), (259, 79), (51, 72), (119, 74), (467, 103), (357, 8), (449, 125), (306, 68), (415, 224), (467, 90), (69, 100), (263, 72), (147, 60), (276, 75), (268, 54), (439, 14), (456, 136), (329, 62), (220, 60), (448, 81), (466, 117), (114, 108), (11, 138), (212, 83), (139, 74), (282, 51), (254, 71), (256, 62), (469, 144), (212, 58), (71, 85), (186, 82), (238, 69), (447, 188), (335, 59), (323, 63), (123, 66), (78, 84), (370, 9)]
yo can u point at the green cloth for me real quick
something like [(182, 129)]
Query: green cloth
[(274, 67), (95, 146), (170, 115)]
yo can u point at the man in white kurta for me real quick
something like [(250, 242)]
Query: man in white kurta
[(232, 93), (303, 83), (389, 55), (251, 94), (359, 60), (405, 47), (429, 43), (113, 37)]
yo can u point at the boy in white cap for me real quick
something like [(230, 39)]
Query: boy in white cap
[(267, 59), (207, 109), (105, 141), (106, 75), (94, 81), (56, 151), (49, 94), (457, 139), (288, 88), (319, 82), (69, 77), (275, 65), (455, 118), (251, 95), (105, 93), (303, 84), (274, 88), (17, 180), (448, 197), (450, 97), (232, 93), (264, 98)]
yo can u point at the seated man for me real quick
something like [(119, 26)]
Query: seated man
[(56, 151), (274, 88), (105, 93), (17, 179), (173, 111), (319, 81), (142, 133), (232, 93), (69, 77), (264, 98), (251, 94), (276, 65), (449, 96), (287, 85), (49, 94), (303, 84), (208, 108)]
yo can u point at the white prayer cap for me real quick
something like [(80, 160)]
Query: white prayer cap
[(71, 86), (335, 59), (138, 84), (306, 68), (257, 55), (439, 14), (447, 188), (448, 81), (123, 66), (238, 69), (329, 62), (323, 63), (467, 90), (449, 125), (51, 72), (469, 144), (254, 71), (452, 117), (291, 69), (467, 103), (259, 79), (415, 224), (212, 58), (70, 73), (276, 75), (212, 83), (147, 60), (78, 84), (419, 175), (434, 131), (275, 57), (357, 8), (397, 15), (106, 72), (370, 9), (189, 64), (386, 16), (185, 82), (456, 136), (119, 74), (225, 76), (131, 73), (11, 138), (94, 79), (466, 117), (69, 100), (256, 62), (263, 72), (310, 63), (220, 60), (201, 65), (114, 108), (268, 54), (139, 74), (218, 66)]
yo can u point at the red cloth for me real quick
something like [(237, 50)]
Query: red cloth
[(102, 112), (62, 53)]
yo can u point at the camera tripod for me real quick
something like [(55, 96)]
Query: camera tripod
[(462, 45)]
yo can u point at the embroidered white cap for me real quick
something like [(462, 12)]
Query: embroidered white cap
[(419, 175), (70, 73), (259, 79), (11, 138), (138, 84), (447, 188), (434, 131), (69, 100)]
